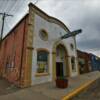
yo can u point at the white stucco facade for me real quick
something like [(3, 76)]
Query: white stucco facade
[(54, 32)]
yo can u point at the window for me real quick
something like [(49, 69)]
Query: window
[(43, 35), (42, 61), (71, 46), (73, 63)]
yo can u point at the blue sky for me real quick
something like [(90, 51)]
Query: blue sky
[(75, 14)]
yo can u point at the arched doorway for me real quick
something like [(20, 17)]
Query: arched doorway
[(60, 61)]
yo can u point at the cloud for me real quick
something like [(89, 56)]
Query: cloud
[(75, 14), (79, 14)]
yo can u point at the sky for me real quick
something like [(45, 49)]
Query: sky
[(76, 14)]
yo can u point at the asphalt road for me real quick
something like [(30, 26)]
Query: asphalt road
[(92, 93)]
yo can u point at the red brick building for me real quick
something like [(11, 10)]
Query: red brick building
[(13, 51), (83, 62)]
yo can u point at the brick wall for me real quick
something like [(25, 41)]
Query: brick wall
[(86, 57), (13, 53)]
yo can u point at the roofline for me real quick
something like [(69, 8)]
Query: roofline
[(82, 51), (10, 32), (38, 9), (50, 17)]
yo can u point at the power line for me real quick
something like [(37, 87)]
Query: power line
[(36, 1), (14, 8), (4, 15), (6, 23)]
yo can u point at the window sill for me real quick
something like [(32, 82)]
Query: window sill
[(41, 74)]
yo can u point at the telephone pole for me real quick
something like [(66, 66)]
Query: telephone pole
[(4, 15)]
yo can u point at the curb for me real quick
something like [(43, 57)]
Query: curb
[(78, 90)]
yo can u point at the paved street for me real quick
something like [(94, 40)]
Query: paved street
[(49, 91), (92, 93)]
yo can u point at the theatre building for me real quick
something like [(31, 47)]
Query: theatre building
[(31, 53)]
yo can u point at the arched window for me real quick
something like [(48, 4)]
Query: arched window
[(73, 63), (42, 61)]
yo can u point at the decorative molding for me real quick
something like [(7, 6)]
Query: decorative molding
[(43, 49), (41, 13), (41, 74), (31, 48)]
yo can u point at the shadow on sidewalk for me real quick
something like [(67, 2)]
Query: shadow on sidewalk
[(7, 88)]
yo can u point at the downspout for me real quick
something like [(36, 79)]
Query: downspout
[(22, 52)]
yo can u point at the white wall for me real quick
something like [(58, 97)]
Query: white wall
[(54, 32)]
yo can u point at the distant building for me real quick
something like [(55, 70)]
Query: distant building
[(84, 62), (95, 62), (30, 54)]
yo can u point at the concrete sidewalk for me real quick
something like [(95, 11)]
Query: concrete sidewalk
[(75, 83), (6, 87), (48, 91)]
